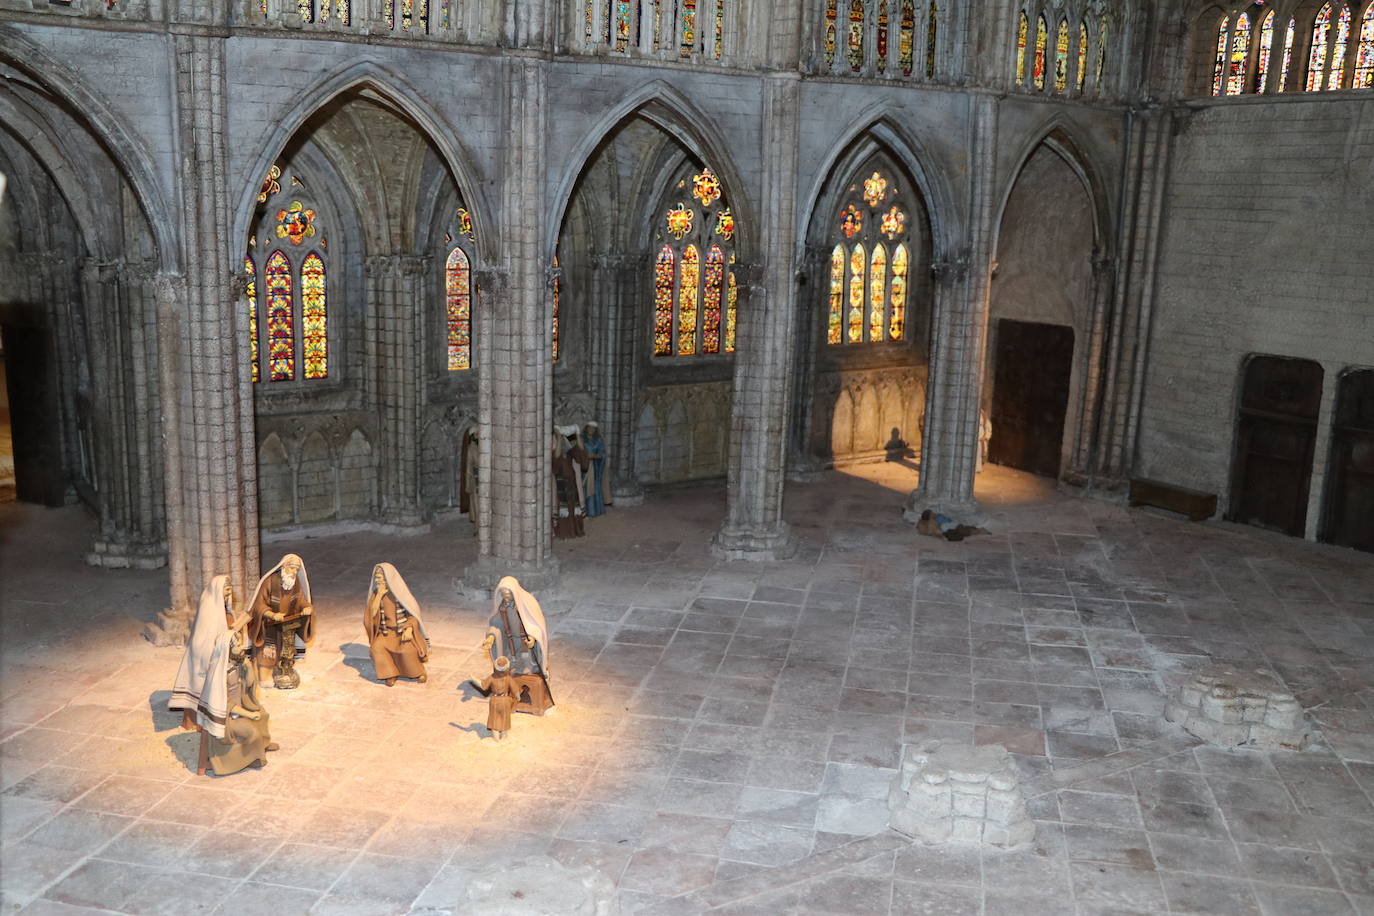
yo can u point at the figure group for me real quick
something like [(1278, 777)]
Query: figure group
[(229, 658), (580, 480)]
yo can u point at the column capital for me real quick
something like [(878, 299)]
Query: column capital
[(950, 271)]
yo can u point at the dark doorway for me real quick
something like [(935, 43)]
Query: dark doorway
[(1350, 492), (33, 416), (1030, 395), (1280, 401)]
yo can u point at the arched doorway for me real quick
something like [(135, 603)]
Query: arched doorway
[(1276, 436), (1349, 514), (1040, 314)]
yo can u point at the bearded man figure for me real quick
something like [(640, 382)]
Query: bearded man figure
[(395, 631), (282, 613)]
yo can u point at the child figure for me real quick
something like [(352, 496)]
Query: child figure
[(500, 688)]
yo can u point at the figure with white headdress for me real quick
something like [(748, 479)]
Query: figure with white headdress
[(395, 630), (216, 687), (517, 633), (282, 614), (594, 480), (570, 463)]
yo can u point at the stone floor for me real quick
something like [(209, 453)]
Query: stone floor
[(726, 732)]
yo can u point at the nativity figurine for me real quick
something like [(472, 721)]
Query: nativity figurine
[(595, 481), (282, 616), (217, 687), (500, 690), (516, 631), (394, 627), (570, 463)]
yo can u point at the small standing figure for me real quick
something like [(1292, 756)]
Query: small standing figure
[(570, 462), (467, 490), (282, 611), (594, 481), (395, 630), (216, 688), (984, 437), (500, 690), (517, 633)]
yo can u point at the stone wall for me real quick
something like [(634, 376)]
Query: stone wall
[(1269, 212)]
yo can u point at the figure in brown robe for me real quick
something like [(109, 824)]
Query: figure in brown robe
[(570, 463), (500, 690), (282, 594), (395, 631)]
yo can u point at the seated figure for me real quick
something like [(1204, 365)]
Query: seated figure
[(395, 631), (516, 631)]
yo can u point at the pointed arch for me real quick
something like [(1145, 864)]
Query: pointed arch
[(1364, 53), (1266, 49), (393, 90), (1061, 138), (1022, 34)]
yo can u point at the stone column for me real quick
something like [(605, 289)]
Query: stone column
[(398, 305), (1084, 458), (515, 381), (802, 462), (754, 528), (628, 275), (949, 447), (204, 386), (1149, 138)]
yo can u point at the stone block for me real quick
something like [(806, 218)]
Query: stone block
[(1233, 706), (958, 793)]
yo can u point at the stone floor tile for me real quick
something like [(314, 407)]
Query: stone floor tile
[(842, 895), (1279, 865), (303, 865), (152, 843), (1109, 844), (175, 893), (30, 868), (343, 905), (1026, 741), (1193, 820), (100, 883), (1177, 852), (761, 843), (695, 796), (948, 864), (778, 806), (1276, 900), (935, 899), (1101, 888), (668, 873), (1209, 895), (1077, 807), (386, 879)]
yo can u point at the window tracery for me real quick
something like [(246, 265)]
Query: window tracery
[(458, 296), (695, 293), (867, 296)]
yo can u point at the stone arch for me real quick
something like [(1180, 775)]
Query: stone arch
[(1060, 137), (842, 424), (395, 91), (868, 420), (276, 484), (437, 468), (647, 445), (316, 489), (357, 477)]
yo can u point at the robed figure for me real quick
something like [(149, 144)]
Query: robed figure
[(216, 687), (595, 480), (283, 621), (467, 476), (516, 631), (570, 463), (394, 627)]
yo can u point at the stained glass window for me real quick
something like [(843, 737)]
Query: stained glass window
[(589, 14), (251, 270), (1266, 48), (731, 309), (832, 15), (1101, 51), (856, 35), (710, 312), (877, 293), (1219, 65), (689, 27), (1364, 56), (281, 343), (608, 22), (1042, 32), (1288, 54), (857, 263), (622, 25), (1061, 57), (906, 39), (881, 63), (556, 304), (688, 279), (314, 318), (1336, 75), (458, 297), (1022, 27), (306, 8), (663, 302), (720, 28), (1316, 64), (1082, 76), (835, 324), (896, 324), (932, 35), (1240, 54)]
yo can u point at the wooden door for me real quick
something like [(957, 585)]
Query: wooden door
[(34, 428), (1349, 516), (1030, 395), (1276, 434)]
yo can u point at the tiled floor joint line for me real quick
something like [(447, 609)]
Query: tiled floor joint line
[(1106, 766)]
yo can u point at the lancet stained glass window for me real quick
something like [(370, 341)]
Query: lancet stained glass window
[(689, 27), (832, 15), (906, 38), (556, 304), (281, 342), (694, 288), (858, 262), (877, 292), (1316, 63), (1061, 57), (856, 35), (1082, 74), (896, 324), (1042, 32), (1266, 48), (1022, 27), (932, 36), (720, 29), (1101, 51), (835, 322), (1336, 75), (866, 297), (881, 62), (1240, 54), (458, 310), (1219, 65), (622, 25), (251, 270), (1364, 55), (1287, 67), (314, 318)]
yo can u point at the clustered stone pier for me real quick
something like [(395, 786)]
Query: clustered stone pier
[(1233, 706), (949, 792)]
